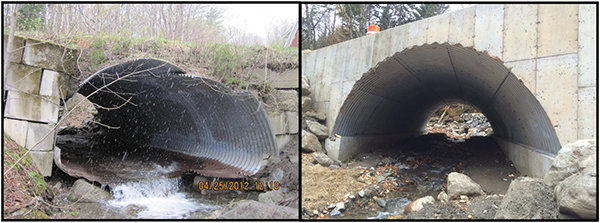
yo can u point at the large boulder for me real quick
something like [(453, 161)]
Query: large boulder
[(318, 129), (86, 192), (310, 142), (528, 198), (249, 209), (306, 103), (577, 194), (315, 116), (305, 87), (569, 161), (270, 197), (417, 204), (460, 184), (323, 159)]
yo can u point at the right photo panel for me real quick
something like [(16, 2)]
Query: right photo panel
[(448, 111)]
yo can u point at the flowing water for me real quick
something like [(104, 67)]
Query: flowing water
[(158, 198)]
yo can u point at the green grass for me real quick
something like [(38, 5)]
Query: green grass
[(26, 166)]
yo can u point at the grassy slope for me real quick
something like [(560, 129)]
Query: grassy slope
[(22, 185)]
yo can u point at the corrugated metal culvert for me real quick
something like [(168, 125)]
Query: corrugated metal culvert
[(400, 93), (152, 103)]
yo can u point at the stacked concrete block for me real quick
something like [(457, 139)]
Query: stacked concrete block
[(286, 80), (284, 119), (36, 81)]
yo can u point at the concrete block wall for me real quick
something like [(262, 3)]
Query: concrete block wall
[(284, 119), (37, 79), (551, 48)]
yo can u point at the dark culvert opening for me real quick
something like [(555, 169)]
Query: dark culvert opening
[(396, 99), (154, 120)]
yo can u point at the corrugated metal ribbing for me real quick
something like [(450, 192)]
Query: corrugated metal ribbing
[(432, 65), (525, 117), (400, 93), (165, 108), (478, 75)]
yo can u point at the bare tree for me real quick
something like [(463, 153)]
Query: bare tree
[(9, 43)]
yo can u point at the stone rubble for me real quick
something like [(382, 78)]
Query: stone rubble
[(461, 184), (323, 159), (314, 131), (83, 191), (574, 176), (528, 198), (310, 142), (467, 125), (417, 205)]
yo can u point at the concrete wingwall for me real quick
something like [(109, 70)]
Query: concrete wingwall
[(550, 48), (38, 77)]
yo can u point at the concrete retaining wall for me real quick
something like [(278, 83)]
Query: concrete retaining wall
[(551, 48), (37, 79), (284, 118)]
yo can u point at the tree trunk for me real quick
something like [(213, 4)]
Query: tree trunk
[(9, 44)]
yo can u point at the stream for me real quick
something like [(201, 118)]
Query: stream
[(418, 168)]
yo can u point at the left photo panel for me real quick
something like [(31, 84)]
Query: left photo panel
[(150, 111)]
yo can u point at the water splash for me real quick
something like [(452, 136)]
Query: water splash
[(156, 198)]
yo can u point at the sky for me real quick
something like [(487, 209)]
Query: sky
[(257, 18)]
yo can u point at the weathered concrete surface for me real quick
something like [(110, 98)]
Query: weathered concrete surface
[(285, 80), (557, 92), (557, 29), (462, 27), (526, 71), (34, 91), (43, 161), (488, 29), (526, 160), (18, 44), (520, 32), (438, 29), (586, 112), (278, 121), (292, 122), (40, 137), (49, 85), (16, 130), (587, 46), (23, 78), (50, 56), (29, 107), (284, 122)]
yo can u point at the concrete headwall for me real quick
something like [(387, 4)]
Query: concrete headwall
[(550, 48), (38, 78), (284, 118)]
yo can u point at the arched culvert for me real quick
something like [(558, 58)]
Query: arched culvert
[(157, 120), (395, 99)]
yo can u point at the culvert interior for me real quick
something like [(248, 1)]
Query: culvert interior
[(398, 96), (155, 120)]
